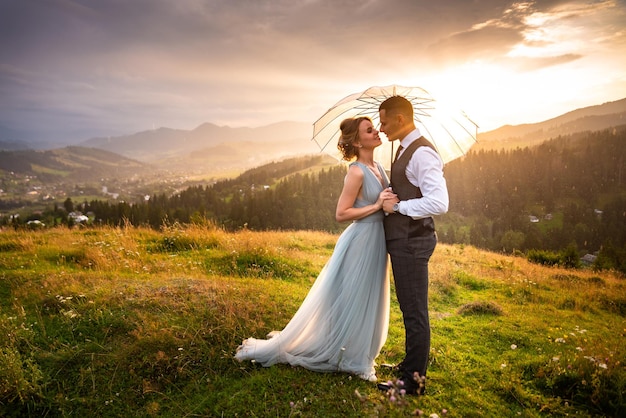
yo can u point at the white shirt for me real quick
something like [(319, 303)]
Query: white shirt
[(424, 170)]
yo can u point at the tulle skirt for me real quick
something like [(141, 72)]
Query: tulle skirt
[(343, 322)]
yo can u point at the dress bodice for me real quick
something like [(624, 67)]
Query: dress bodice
[(370, 190)]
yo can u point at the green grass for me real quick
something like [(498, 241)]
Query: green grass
[(135, 322), (47, 170)]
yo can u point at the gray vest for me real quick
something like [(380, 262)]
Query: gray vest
[(397, 225)]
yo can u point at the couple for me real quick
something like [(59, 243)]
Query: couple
[(342, 323)]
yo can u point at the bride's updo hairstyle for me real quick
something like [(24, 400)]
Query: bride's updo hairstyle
[(350, 135)]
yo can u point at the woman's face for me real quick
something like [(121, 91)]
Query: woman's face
[(368, 135)]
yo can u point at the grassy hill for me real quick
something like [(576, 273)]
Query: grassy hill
[(81, 163), (137, 322)]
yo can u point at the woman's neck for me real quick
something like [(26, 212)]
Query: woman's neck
[(367, 159)]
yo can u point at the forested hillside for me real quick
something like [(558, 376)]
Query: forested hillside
[(569, 192), (574, 187)]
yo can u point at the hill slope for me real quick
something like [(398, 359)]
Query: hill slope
[(590, 118), (71, 162), (135, 322)]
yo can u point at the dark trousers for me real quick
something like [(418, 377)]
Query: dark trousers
[(409, 261)]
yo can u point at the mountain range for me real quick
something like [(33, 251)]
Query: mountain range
[(212, 149)]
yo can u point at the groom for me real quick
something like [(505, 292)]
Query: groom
[(417, 179)]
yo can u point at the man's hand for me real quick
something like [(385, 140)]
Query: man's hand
[(388, 204)]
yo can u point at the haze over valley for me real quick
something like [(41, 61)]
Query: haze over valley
[(211, 151)]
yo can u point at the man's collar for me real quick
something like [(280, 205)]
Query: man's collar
[(412, 136)]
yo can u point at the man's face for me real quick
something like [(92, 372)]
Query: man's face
[(389, 125)]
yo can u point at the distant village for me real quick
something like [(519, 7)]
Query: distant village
[(22, 194)]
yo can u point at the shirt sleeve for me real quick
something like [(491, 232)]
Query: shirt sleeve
[(425, 170)]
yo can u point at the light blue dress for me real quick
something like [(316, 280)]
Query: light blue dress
[(343, 322)]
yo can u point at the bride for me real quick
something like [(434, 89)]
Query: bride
[(342, 323)]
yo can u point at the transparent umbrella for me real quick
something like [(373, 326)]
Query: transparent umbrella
[(451, 132)]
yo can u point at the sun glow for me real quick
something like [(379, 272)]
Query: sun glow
[(489, 93), (473, 88), (560, 49)]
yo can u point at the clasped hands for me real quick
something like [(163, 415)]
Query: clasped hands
[(389, 199)]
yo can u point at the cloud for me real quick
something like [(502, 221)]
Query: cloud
[(532, 64), (485, 40), (486, 43), (120, 66), (532, 35)]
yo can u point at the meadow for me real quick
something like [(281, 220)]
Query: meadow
[(130, 321)]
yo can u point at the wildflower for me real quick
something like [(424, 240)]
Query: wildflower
[(560, 340), (579, 348), (503, 365), (513, 346), (602, 365), (291, 404), (358, 395), (70, 313)]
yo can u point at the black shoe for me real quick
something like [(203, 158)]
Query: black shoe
[(415, 390), (384, 387), (413, 386)]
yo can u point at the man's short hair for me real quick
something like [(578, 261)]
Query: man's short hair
[(397, 104)]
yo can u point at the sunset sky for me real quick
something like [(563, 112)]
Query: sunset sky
[(74, 69)]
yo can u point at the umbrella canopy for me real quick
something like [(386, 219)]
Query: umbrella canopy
[(452, 133)]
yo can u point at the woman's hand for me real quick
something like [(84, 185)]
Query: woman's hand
[(386, 194)]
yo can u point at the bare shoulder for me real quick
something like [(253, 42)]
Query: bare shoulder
[(355, 170)]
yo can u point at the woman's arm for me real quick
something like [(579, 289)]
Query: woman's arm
[(351, 190)]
